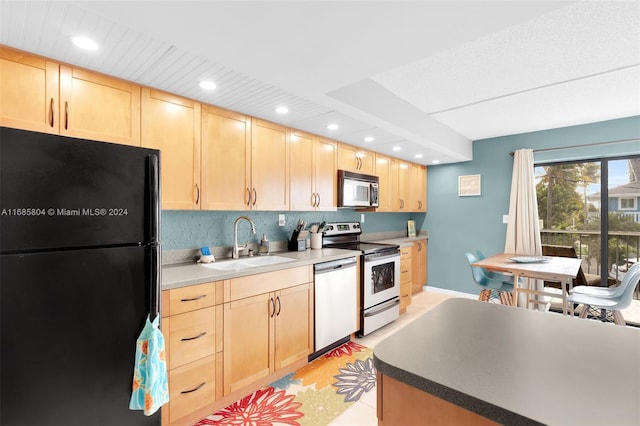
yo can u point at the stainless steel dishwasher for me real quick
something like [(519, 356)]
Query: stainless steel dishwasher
[(336, 304)]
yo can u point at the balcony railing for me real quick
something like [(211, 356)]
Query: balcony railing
[(623, 246), (632, 216)]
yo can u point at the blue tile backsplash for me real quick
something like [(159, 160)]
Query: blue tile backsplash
[(193, 229)]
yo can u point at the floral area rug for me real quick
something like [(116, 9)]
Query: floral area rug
[(314, 395)]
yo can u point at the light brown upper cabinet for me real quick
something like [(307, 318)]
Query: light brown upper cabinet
[(384, 185), (420, 192), (407, 185), (355, 159), (326, 174), (97, 107), (226, 160), (269, 166), (405, 196), (312, 162), (172, 124), (29, 87), (41, 95), (394, 185)]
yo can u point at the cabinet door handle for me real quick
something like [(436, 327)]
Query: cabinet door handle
[(202, 296), (318, 203), (66, 115), (51, 113), (186, 339), (197, 194), (313, 199), (255, 196), (273, 306), (194, 389), (248, 196), (279, 306)]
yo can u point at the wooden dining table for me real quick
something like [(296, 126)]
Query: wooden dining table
[(547, 268)]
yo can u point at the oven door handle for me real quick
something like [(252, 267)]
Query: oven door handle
[(383, 307), (374, 258)]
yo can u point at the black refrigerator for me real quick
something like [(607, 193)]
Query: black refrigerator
[(79, 273)]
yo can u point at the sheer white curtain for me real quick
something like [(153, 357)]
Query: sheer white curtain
[(523, 229)]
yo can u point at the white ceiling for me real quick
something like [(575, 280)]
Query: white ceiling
[(429, 76)]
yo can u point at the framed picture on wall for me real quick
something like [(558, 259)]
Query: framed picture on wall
[(411, 228), (469, 185)]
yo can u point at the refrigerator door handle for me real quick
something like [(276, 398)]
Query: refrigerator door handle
[(153, 233), (154, 280), (153, 198)]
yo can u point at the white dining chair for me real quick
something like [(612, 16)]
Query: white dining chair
[(600, 301)]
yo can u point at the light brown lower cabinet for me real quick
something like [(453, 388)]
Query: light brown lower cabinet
[(406, 273), (192, 329), (269, 331), (419, 266), (226, 339), (192, 386)]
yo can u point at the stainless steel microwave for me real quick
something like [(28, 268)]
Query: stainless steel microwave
[(357, 190)]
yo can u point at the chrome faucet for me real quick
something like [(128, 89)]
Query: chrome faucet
[(236, 248)]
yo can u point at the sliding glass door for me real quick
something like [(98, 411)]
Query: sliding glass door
[(593, 206), (624, 215), (567, 211)]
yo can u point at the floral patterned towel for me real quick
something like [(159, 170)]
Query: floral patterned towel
[(150, 386), (323, 388)]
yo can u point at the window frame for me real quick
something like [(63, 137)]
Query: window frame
[(634, 203)]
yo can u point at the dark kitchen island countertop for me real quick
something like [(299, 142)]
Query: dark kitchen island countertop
[(518, 366)]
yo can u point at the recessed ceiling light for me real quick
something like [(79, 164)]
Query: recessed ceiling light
[(282, 109), (85, 43), (396, 148), (332, 126), (418, 155), (435, 162), (369, 139), (207, 85)]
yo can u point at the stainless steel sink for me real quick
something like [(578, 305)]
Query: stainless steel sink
[(248, 262)]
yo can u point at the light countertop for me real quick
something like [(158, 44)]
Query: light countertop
[(185, 274), (181, 275), (519, 366)]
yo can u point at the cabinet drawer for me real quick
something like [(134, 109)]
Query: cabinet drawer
[(192, 336), (405, 253), (253, 285), (405, 296), (190, 298), (191, 387), (405, 271)]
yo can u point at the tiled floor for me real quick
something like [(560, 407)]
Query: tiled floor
[(363, 412)]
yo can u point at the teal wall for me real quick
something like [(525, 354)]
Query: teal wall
[(194, 229), (459, 224)]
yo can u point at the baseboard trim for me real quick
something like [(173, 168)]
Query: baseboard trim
[(449, 292)]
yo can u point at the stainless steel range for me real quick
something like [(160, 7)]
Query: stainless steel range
[(379, 274)]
